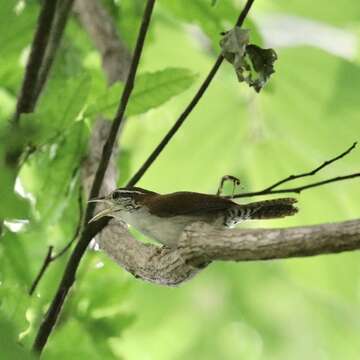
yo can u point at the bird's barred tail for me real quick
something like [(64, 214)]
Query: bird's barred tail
[(268, 209), (271, 209)]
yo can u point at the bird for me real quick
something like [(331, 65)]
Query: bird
[(163, 217)]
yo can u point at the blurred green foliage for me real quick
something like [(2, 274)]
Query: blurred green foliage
[(291, 309)]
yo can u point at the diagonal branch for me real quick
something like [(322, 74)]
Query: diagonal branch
[(153, 156), (87, 234), (272, 189)]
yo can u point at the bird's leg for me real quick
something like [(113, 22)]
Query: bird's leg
[(235, 181)]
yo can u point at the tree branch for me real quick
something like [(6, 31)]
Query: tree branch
[(27, 98), (270, 190), (188, 109), (201, 244), (87, 234)]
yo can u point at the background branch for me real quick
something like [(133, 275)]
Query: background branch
[(201, 244)]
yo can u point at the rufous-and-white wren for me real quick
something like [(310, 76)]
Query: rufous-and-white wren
[(164, 217)]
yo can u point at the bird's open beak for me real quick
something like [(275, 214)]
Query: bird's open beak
[(101, 213), (101, 199)]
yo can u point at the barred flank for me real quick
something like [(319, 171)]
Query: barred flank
[(270, 209)]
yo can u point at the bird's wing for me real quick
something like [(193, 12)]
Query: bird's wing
[(187, 203)]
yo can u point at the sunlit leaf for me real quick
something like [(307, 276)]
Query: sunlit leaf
[(151, 90), (154, 89)]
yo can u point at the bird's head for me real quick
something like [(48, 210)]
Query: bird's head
[(120, 200)]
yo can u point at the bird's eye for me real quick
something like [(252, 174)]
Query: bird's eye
[(115, 195)]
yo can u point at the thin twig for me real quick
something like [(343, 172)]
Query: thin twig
[(312, 172), (272, 188), (88, 232), (188, 109), (49, 258), (46, 262), (298, 189), (27, 98)]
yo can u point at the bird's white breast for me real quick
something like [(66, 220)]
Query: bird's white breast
[(165, 230)]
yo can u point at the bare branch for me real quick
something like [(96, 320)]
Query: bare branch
[(272, 189), (44, 266), (312, 172), (201, 244), (27, 97), (299, 189), (87, 233), (153, 156)]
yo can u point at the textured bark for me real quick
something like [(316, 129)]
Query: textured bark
[(201, 244)]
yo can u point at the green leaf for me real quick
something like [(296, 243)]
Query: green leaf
[(61, 104), (154, 89), (212, 20), (12, 206), (151, 90), (15, 257), (16, 31), (53, 170)]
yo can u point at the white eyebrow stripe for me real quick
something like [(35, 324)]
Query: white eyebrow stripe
[(129, 191)]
